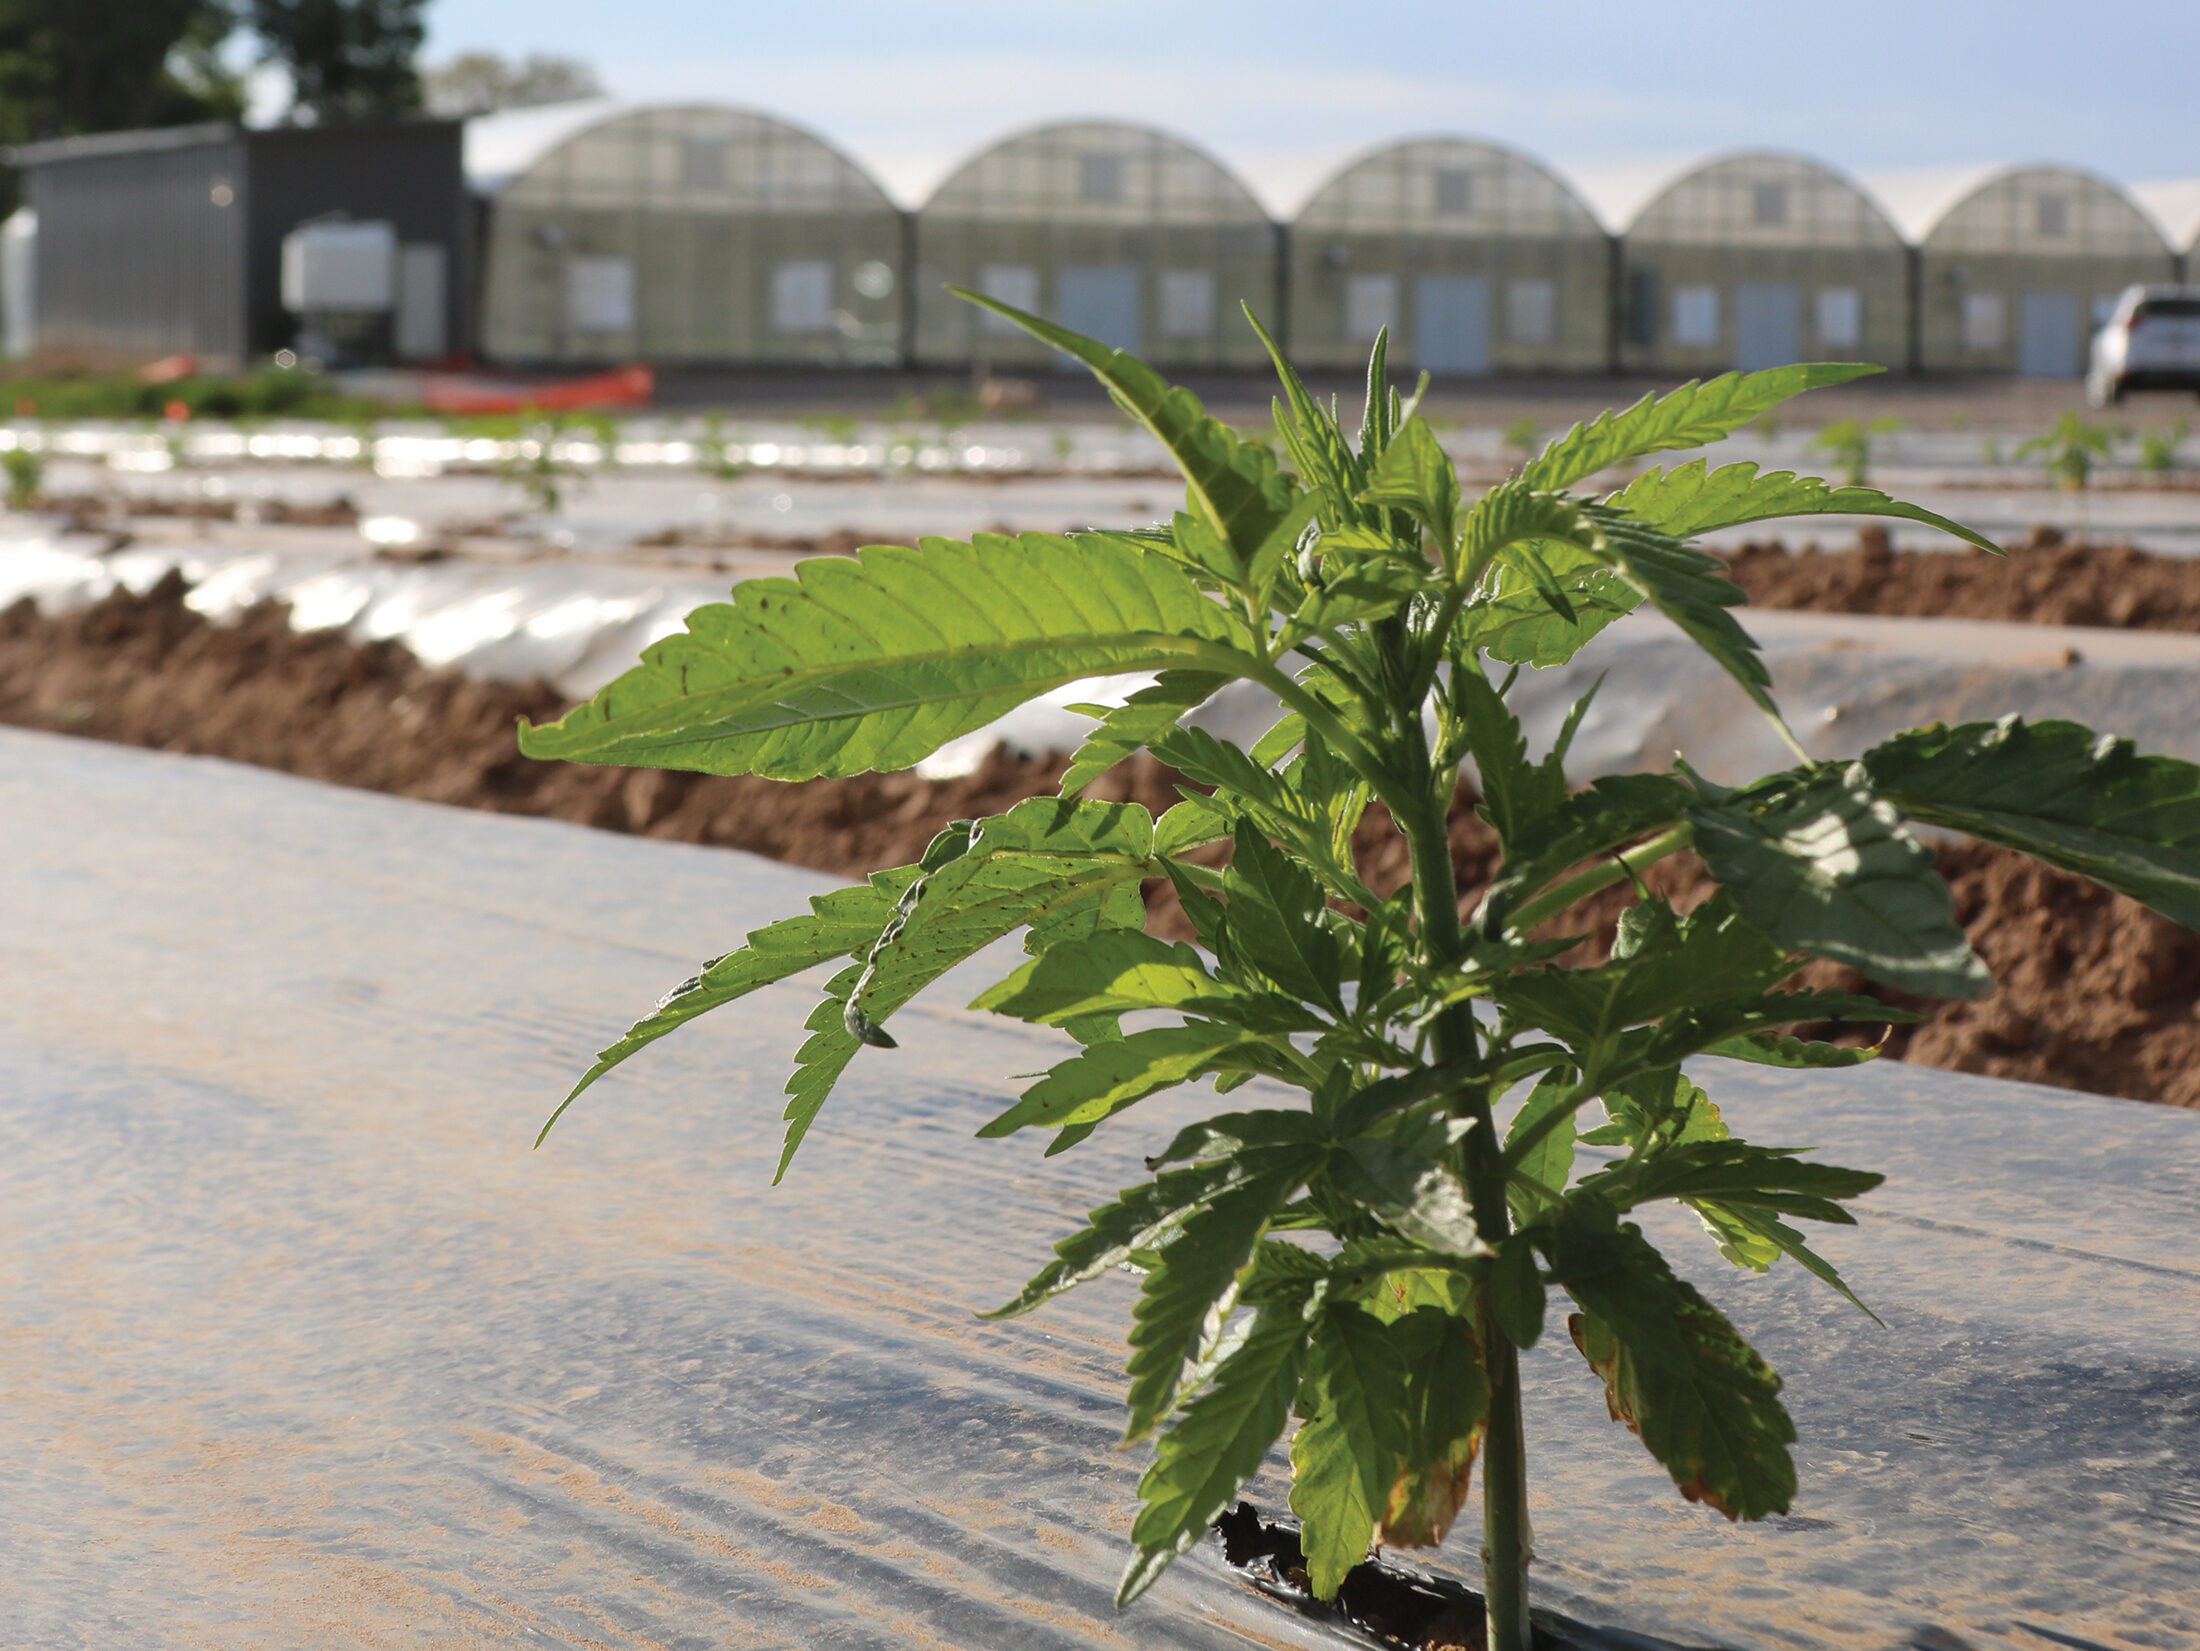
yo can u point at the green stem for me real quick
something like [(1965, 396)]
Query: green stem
[(1625, 864), (1506, 1535)]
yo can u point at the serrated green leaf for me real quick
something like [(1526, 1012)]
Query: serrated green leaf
[(1692, 500), (1554, 836), (1754, 1237), (1313, 807), (843, 923), (1415, 475), (1190, 823), (1324, 460), (1137, 1219), (1231, 1134), (1347, 1454), (1516, 625), (1204, 1461), (1191, 1274), (1830, 871), (1094, 1086), (1274, 920), (1691, 964), (1372, 590), (1549, 1163), (818, 1064), (1061, 868), (1406, 1178), (1678, 1375), (1117, 971), (1234, 483), (1447, 1404), (1733, 1172), (2056, 791), (1516, 1291), (1690, 587), (1691, 416), (874, 662), (1126, 729), (1795, 1054)]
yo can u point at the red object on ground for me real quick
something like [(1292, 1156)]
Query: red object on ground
[(621, 387), (168, 369), (176, 412)]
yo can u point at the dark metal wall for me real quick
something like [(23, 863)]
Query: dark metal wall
[(410, 174), (152, 243), (141, 251)]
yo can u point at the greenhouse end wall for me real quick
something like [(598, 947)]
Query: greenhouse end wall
[(2019, 274), (1118, 232), (693, 234), (1758, 260), (1474, 257)]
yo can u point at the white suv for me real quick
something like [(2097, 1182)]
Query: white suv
[(2152, 342)]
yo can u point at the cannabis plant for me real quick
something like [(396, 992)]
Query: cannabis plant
[(1846, 444), (2070, 452), (1370, 1235)]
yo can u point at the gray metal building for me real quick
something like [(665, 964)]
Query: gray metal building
[(2018, 274), (1476, 258), (165, 242), (1123, 233), (1758, 260)]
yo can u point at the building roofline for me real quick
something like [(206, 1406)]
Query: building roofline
[(95, 145)]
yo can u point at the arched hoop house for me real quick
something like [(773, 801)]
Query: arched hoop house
[(1476, 258), (1119, 232), (681, 233), (2018, 274), (1757, 260)]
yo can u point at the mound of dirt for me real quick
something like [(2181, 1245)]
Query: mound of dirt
[(2097, 993), (2047, 580)]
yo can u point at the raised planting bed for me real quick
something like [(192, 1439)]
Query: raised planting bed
[(2097, 993), (300, 1344)]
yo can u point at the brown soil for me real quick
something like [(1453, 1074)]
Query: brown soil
[(2047, 580), (2096, 993)]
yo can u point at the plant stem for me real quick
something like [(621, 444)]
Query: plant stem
[(1626, 863), (1506, 1536)]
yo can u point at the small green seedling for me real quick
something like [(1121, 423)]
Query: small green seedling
[(1366, 1238), (26, 473), (2069, 452), (2158, 447), (1520, 436), (1846, 444)]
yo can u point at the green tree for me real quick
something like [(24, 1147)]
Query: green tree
[(71, 66), (347, 59)]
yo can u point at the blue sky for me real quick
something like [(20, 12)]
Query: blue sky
[(1285, 88)]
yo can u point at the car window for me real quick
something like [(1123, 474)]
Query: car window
[(2167, 309)]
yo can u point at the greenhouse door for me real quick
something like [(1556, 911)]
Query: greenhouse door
[(1451, 324), (2047, 338), (1768, 327), (1102, 304)]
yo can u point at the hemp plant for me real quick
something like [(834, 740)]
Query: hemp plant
[(1370, 1237)]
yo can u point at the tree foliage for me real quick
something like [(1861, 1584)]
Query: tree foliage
[(75, 66), (346, 59), (1368, 1243)]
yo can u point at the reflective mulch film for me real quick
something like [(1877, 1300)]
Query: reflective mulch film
[(301, 1345)]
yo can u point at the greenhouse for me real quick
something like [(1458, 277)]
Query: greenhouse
[(1757, 260), (1475, 257), (1122, 233), (2018, 273), (680, 233)]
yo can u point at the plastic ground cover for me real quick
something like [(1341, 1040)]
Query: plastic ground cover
[(299, 1344)]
